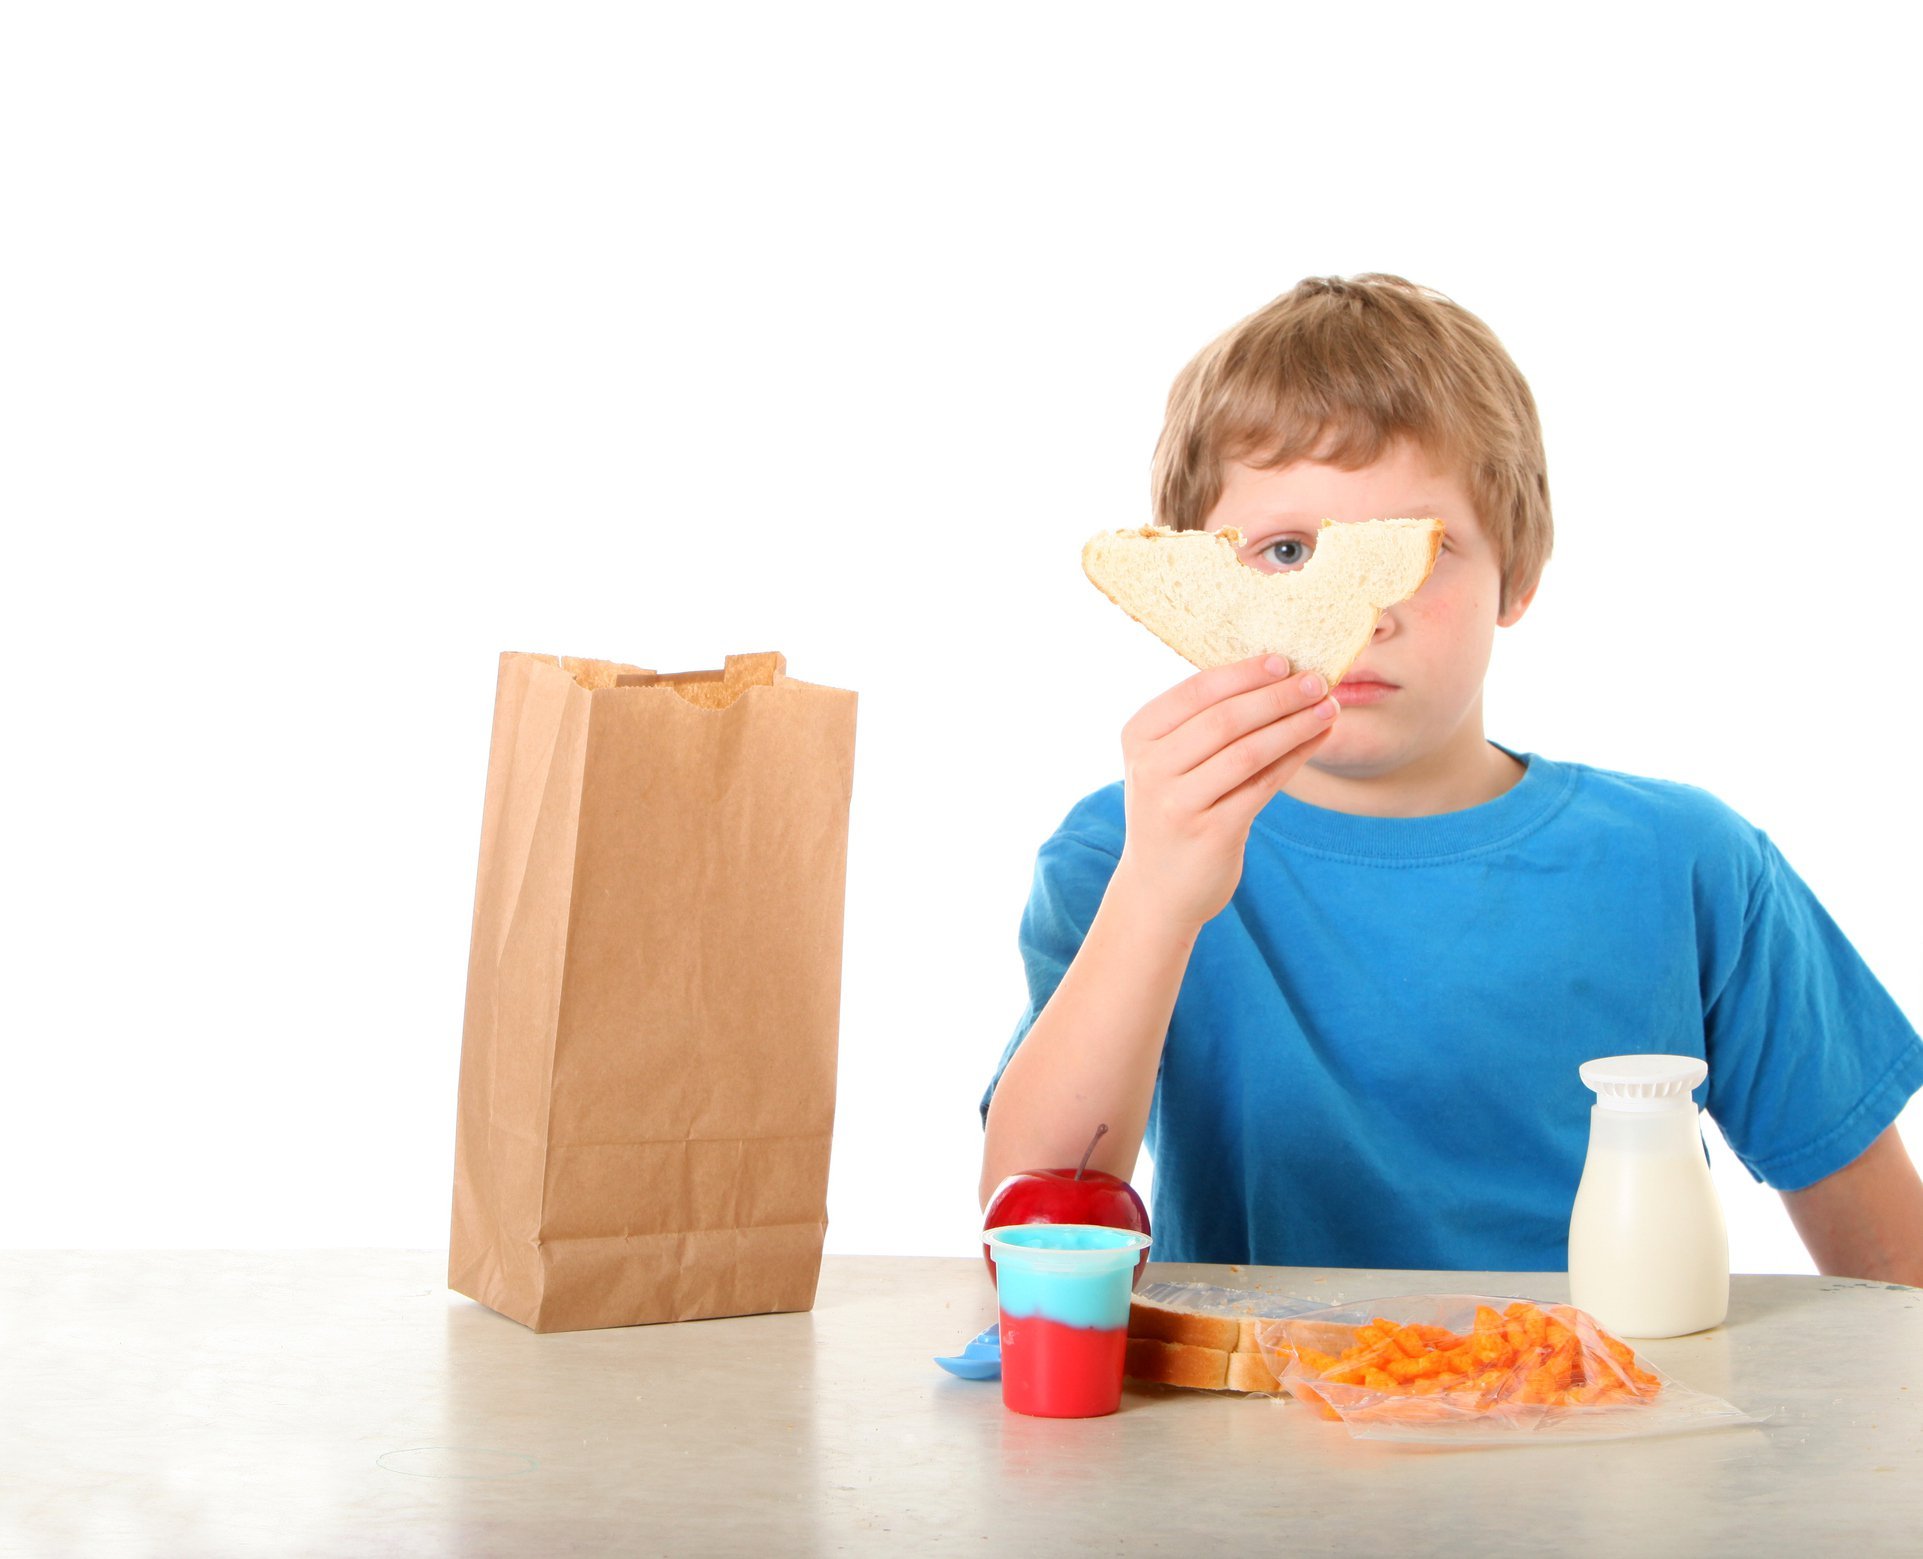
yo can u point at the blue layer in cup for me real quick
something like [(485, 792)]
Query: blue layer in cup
[(1065, 1272)]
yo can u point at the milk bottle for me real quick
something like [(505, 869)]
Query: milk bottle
[(1648, 1252)]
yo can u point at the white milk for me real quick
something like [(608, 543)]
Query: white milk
[(1648, 1251)]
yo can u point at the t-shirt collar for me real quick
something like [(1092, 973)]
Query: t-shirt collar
[(1540, 792)]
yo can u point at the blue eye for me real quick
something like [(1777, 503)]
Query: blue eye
[(1289, 552)]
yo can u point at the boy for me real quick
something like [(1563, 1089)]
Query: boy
[(1336, 957)]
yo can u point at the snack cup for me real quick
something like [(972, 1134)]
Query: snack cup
[(1063, 1289)]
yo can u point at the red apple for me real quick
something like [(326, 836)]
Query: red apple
[(1079, 1195)]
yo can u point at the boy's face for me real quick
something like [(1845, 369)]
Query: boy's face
[(1412, 703)]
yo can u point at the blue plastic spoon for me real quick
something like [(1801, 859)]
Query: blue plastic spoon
[(981, 1359)]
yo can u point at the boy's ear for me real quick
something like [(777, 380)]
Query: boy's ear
[(1512, 613)]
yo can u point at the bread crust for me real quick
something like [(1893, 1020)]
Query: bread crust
[(1177, 1364), (1165, 1323), (1251, 1372)]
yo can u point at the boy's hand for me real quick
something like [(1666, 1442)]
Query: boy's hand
[(1198, 763)]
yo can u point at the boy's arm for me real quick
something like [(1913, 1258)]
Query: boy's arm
[(1092, 1055), (1199, 762), (1866, 1220)]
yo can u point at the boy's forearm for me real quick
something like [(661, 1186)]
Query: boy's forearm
[(1092, 1055), (1866, 1220)]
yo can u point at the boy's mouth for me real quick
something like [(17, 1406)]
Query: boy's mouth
[(1352, 691)]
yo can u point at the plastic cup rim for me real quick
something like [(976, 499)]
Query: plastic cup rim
[(1129, 1243)]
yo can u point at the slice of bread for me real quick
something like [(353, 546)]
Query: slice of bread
[(1189, 1328), (1193, 591), (1177, 1364), (1177, 1347), (1251, 1372)]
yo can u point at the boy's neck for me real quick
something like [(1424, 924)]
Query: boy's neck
[(1470, 772)]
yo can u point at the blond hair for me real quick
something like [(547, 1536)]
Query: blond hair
[(1337, 368)]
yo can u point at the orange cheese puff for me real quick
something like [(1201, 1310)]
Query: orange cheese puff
[(1412, 1343), (1491, 1346), (1314, 1398), (1489, 1383), (1639, 1379), (1538, 1389)]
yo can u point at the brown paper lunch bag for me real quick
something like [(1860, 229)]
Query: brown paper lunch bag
[(647, 1084)]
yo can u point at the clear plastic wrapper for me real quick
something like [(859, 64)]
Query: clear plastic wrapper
[(1470, 1369), (1241, 1303)]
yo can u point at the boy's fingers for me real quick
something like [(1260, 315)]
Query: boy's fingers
[(1204, 734), (1188, 698), (1243, 760), (1260, 788)]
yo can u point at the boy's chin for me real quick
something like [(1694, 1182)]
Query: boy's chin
[(1376, 753), (1355, 760)]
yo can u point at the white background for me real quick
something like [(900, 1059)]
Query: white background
[(348, 345)]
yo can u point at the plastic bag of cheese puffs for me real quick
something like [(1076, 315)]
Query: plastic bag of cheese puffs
[(1466, 1369)]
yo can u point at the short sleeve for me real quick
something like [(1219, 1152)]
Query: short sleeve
[(1072, 872), (1809, 1057)]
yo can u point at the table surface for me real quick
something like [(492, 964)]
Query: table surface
[(344, 1402)]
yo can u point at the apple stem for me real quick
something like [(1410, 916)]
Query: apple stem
[(1091, 1149)]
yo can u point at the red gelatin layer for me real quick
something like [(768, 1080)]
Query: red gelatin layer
[(1054, 1371)]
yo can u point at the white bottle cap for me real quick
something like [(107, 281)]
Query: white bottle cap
[(1644, 1082)]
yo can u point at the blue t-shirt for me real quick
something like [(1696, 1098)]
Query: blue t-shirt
[(1372, 1059)]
